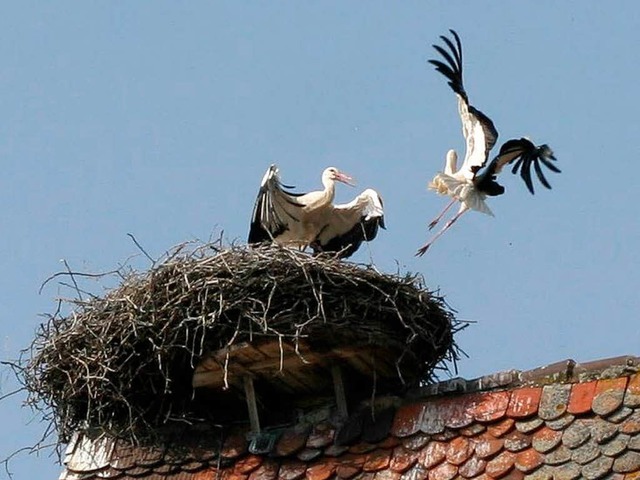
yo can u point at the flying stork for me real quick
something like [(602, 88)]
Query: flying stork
[(311, 219), (468, 185)]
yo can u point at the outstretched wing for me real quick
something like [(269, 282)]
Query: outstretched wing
[(351, 224), (275, 209), (524, 155), (479, 132)]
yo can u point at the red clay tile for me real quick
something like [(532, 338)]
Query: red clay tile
[(487, 446), (389, 442), (292, 470), (631, 425), (433, 454), (516, 441), (290, 442), (499, 429), (457, 412), (203, 475), (361, 448), (445, 436), (562, 422), (609, 395), (528, 460), (577, 434), (501, 465), (529, 425), (628, 476), (620, 415), (234, 446), (387, 475), (267, 471), (459, 451), (581, 397), (601, 430), (632, 396), (433, 418), (321, 435), (377, 460), (321, 470), (514, 475), (347, 471), (402, 459), (554, 400), (407, 420), (490, 406), (472, 467), (231, 475), (248, 464), (524, 402), (445, 471), (585, 453), (545, 439), (616, 446)]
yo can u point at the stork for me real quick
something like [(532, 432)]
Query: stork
[(311, 219), (468, 185)]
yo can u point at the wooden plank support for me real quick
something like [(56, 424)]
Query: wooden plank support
[(252, 405), (338, 387)]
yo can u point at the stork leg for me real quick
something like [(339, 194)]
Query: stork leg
[(422, 250), (435, 221)]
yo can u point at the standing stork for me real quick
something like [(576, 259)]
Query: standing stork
[(311, 219), (468, 185)]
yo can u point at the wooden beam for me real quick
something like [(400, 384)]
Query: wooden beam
[(252, 405), (338, 387)]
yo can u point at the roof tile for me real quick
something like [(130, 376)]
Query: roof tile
[(585, 453), (524, 402), (487, 446), (576, 434), (445, 436), (528, 460), (234, 446), (545, 439), (248, 464), (456, 412), (560, 423), (335, 450), (601, 430), (321, 435), (459, 451), (232, 475), (598, 468), (433, 454), (500, 465), (472, 430), (377, 460), (402, 459), (567, 471), (620, 415), (444, 471), (309, 454), (554, 400), (499, 429), (609, 395), (362, 447), (557, 456), (516, 441), (543, 473), (290, 442), (417, 472), (347, 471), (472, 467), (267, 471), (627, 462), (416, 442), (616, 445), (529, 425), (407, 420), (490, 406), (321, 470), (387, 475), (292, 470), (433, 418), (634, 442), (632, 396), (581, 397)]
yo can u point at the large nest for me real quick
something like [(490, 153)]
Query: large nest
[(123, 363)]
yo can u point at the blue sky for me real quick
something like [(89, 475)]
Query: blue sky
[(160, 118)]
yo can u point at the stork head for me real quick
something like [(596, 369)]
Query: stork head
[(332, 174)]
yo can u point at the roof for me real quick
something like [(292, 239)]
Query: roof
[(564, 421)]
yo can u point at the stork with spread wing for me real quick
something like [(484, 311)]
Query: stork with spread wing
[(311, 219), (469, 185)]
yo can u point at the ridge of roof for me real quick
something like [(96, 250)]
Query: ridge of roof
[(566, 420)]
